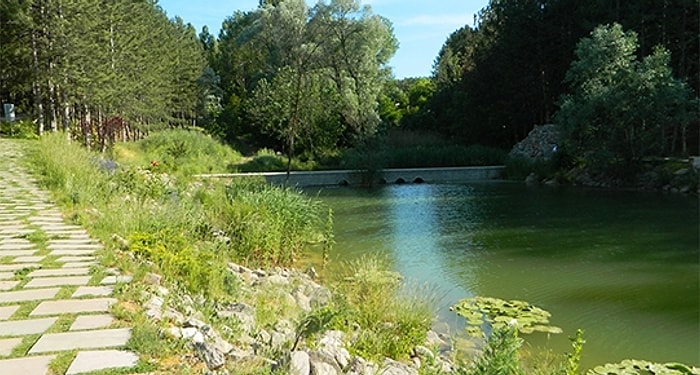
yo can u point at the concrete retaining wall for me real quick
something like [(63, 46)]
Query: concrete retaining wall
[(386, 176)]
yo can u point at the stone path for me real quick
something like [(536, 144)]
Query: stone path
[(51, 305)]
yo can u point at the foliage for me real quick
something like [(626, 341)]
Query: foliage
[(573, 359), (500, 314), (620, 109), (390, 324), (100, 70), (635, 367), (178, 151), (267, 225), (302, 79), (498, 78), (500, 354), (22, 129)]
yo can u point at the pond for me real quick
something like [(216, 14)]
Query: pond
[(623, 266)]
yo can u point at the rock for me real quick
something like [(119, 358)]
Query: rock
[(423, 352), (277, 340), (174, 332), (238, 354), (216, 340), (194, 322), (152, 278), (263, 338), (359, 366), (213, 358), (685, 189), (299, 364), (276, 279), (540, 144), (301, 299), (174, 316), (245, 315), (154, 308), (192, 333), (552, 182), (331, 344), (682, 171), (532, 179), (392, 367), (322, 364)]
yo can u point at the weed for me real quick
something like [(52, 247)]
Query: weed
[(62, 361), (27, 343)]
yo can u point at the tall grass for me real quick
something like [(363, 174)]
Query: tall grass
[(390, 323), (187, 230)]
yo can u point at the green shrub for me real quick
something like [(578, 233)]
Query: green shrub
[(22, 129), (266, 160)]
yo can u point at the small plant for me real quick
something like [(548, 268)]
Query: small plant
[(573, 359), (500, 354)]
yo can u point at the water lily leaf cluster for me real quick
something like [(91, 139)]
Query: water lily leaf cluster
[(501, 313), (636, 367)]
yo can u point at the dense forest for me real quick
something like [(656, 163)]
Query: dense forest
[(308, 79)]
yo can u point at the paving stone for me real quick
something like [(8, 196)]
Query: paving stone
[(88, 361), (104, 338), (57, 281), (59, 272), (111, 280), (26, 327), (84, 322), (16, 267), (7, 311), (7, 275), (73, 241), (16, 246), (78, 264), (98, 291), (75, 252), (8, 284), (17, 253), (25, 366), (6, 345), (28, 259), (75, 258), (28, 295), (73, 306), (78, 246)]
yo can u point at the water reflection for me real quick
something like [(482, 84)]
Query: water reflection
[(622, 266)]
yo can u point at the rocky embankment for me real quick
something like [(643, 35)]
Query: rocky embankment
[(542, 142), (246, 340)]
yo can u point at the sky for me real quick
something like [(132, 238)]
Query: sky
[(421, 26)]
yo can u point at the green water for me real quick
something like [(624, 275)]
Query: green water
[(623, 266)]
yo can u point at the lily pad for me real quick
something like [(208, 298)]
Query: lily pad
[(501, 313), (637, 367)]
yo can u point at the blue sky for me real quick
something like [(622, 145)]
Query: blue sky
[(421, 26)]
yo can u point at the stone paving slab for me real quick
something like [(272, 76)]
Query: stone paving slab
[(104, 338), (60, 272), (84, 322), (26, 366), (26, 327), (15, 267), (75, 252), (28, 295), (8, 284), (7, 275), (16, 246), (17, 253), (111, 280), (78, 264), (87, 361), (7, 311), (97, 291), (75, 258), (42, 282), (29, 259), (73, 306), (6, 345)]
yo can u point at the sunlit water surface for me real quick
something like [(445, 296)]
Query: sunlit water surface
[(621, 265)]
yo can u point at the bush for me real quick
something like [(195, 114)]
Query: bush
[(22, 129)]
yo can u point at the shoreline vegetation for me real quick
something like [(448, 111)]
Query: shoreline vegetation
[(215, 284)]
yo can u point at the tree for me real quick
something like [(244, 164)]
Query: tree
[(621, 109)]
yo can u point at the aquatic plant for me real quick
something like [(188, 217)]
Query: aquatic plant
[(637, 367), (500, 314)]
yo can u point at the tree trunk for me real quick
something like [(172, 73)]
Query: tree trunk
[(38, 106)]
